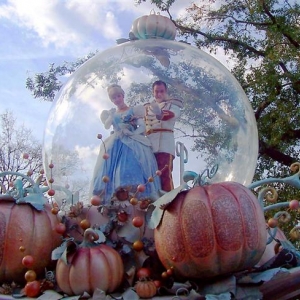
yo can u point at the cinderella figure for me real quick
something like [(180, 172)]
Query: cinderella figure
[(130, 159)]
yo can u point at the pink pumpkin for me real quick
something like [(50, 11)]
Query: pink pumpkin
[(90, 267), (25, 231), (211, 230)]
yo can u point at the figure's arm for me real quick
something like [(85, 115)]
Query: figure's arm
[(174, 112), (141, 126), (107, 117), (164, 114)]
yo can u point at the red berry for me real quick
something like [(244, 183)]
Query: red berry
[(141, 188), (99, 136), (28, 261), (95, 200), (143, 273), (137, 221), (51, 192), (272, 222), (105, 156), (294, 204), (51, 166), (60, 228), (32, 289)]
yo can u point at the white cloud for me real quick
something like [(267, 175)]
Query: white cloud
[(77, 23), (64, 23)]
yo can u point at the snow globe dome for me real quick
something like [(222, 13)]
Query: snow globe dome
[(216, 127)]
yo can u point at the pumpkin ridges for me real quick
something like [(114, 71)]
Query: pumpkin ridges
[(78, 279), (110, 258), (153, 26), (192, 204), (145, 289), (171, 245), (107, 282), (62, 276), (239, 248), (249, 205), (205, 241)]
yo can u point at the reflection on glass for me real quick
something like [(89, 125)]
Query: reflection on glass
[(217, 125)]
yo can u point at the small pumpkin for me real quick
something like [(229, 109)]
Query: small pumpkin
[(153, 26), (145, 288), (90, 267), (25, 231), (211, 230)]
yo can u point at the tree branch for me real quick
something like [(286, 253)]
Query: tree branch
[(291, 135), (273, 19), (220, 39), (275, 154)]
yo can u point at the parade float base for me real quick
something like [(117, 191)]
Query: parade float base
[(277, 283)]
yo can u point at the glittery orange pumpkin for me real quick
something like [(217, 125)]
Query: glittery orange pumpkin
[(211, 230)]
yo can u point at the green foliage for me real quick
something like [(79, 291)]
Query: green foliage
[(45, 85)]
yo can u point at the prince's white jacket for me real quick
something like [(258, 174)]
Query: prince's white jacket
[(160, 129)]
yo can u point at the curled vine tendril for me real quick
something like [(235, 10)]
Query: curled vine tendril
[(202, 178), (295, 233), (269, 194), (283, 216), (295, 167)]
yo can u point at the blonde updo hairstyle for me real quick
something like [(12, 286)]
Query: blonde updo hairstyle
[(114, 89)]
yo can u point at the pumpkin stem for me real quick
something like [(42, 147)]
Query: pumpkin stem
[(90, 236)]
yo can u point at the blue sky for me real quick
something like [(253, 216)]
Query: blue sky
[(36, 33)]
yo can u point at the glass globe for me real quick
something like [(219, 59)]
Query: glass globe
[(216, 128)]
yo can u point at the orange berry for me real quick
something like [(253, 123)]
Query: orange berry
[(54, 210), (85, 224), (133, 201), (105, 179), (30, 275), (138, 245)]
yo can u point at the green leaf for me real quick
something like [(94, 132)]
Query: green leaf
[(71, 248), (129, 232), (156, 210)]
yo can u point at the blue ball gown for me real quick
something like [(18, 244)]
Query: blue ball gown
[(131, 160)]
